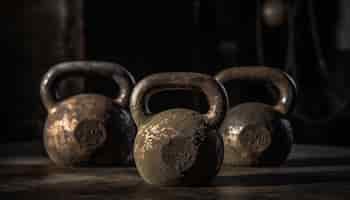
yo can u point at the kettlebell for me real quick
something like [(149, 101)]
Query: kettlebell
[(254, 133), (178, 146), (88, 129)]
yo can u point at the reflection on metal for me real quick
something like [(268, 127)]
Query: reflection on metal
[(256, 133), (178, 146), (88, 128)]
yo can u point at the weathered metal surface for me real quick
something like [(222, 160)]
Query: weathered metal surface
[(88, 128), (178, 146), (256, 133), (311, 172)]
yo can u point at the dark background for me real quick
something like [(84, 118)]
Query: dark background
[(205, 36)]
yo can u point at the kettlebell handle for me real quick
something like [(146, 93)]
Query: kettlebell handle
[(215, 93), (280, 79), (118, 73)]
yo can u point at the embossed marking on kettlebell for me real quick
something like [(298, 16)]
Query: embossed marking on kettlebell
[(256, 137), (90, 133)]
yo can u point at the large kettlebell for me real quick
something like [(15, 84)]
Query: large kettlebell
[(88, 128), (255, 133), (178, 146)]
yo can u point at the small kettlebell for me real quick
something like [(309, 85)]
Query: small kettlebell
[(88, 129), (255, 133), (178, 146)]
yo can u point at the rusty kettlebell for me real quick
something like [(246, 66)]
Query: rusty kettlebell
[(178, 146), (255, 133), (88, 128)]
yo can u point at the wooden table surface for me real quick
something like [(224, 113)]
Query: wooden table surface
[(312, 172)]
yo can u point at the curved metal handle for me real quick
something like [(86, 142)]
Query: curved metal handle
[(295, 90), (118, 73), (215, 93), (282, 81)]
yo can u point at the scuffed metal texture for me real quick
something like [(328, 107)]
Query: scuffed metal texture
[(268, 76), (178, 146), (256, 134), (215, 94), (175, 147), (89, 129)]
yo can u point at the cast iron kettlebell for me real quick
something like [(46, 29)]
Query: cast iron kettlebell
[(178, 146), (88, 128), (256, 133)]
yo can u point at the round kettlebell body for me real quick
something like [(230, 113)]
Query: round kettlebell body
[(175, 147), (257, 134), (178, 146), (87, 129)]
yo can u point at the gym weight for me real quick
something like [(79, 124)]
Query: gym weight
[(88, 128), (178, 146), (256, 133)]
